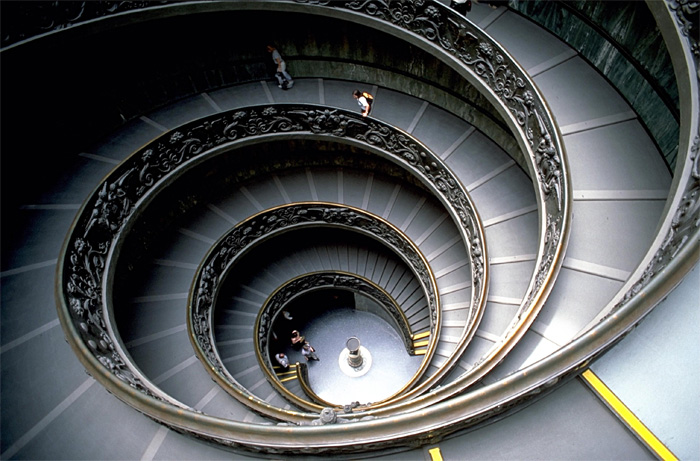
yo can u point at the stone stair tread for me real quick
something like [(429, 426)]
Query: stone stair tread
[(564, 313), (180, 112)]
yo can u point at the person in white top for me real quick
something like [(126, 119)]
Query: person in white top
[(282, 360), (461, 6), (309, 352), (284, 80), (364, 99)]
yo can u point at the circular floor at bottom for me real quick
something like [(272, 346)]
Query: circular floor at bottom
[(391, 368)]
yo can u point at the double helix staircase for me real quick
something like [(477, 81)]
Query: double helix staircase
[(619, 188)]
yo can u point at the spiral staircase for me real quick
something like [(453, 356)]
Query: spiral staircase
[(505, 234)]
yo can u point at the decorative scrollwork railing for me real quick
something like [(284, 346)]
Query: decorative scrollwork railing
[(33, 19), (261, 227), (677, 244), (303, 284), (81, 287), (306, 283), (469, 50), (86, 260)]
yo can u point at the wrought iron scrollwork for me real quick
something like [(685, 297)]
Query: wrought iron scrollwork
[(686, 12), (105, 216), (41, 17), (683, 229), (340, 280), (265, 225), (502, 78), (494, 69)]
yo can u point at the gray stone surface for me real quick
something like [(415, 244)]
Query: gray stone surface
[(181, 112), (392, 367), (240, 95), (529, 44), (615, 157), (111, 433), (38, 306), (613, 233), (514, 237), (26, 393), (559, 426), (576, 93), (663, 352), (578, 294)]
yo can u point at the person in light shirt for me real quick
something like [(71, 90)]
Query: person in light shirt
[(365, 100), (309, 352), (283, 360), (284, 80)]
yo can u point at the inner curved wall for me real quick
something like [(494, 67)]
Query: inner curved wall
[(622, 41), (216, 177), (100, 81)]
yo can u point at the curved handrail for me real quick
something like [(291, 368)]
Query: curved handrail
[(255, 230), (36, 19), (584, 27), (482, 61), (674, 252), (308, 282), (302, 284), (677, 243), (517, 98), (302, 374), (106, 217)]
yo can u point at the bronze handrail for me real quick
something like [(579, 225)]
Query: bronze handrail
[(225, 253), (673, 253)]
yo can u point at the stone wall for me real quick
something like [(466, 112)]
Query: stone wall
[(77, 85), (621, 40)]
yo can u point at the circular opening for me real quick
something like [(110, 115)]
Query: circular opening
[(332, 321)]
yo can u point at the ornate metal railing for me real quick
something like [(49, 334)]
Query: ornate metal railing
[(303, 284), (676, 247), (263, 226), (34, 19), (86, 267), (589, 28), (302, 373), (469, 50), (674, 252), (275, 304)]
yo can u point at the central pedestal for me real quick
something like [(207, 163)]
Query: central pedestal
[(355, 360)]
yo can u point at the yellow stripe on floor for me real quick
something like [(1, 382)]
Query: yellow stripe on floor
[(628, 417), (421, 343), (435, 454)]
